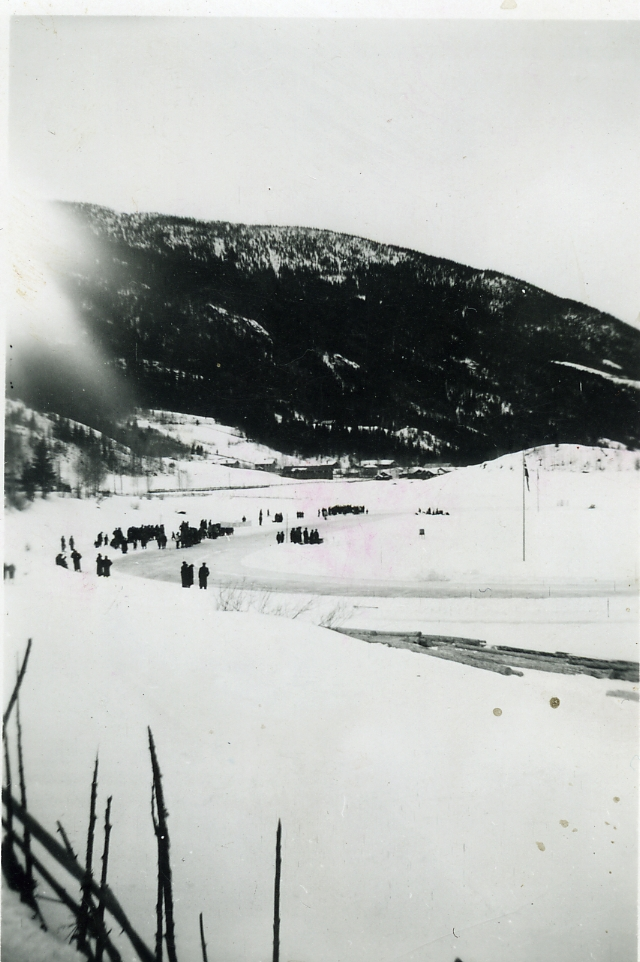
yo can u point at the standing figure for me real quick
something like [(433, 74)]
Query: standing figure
[(184, 574), (72, 543), (99, 565), (76, 556), (63, 543), (203, 574), (106, 566), (190, 574), (260, 518)]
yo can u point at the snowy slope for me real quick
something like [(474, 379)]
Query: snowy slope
[(410, 808), (217, 439), (24, 941)]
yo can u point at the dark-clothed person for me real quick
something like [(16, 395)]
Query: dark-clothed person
[(203, 574)]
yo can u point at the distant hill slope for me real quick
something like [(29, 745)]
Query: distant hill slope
[(324, 343)]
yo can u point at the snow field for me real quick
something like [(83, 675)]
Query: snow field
[(476, 544), (409, 808), (481, 541)]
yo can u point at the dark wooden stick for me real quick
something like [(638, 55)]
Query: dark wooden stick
[(12, 868), (9, 788), (23, 799), (65, 839), (159, 896), (86, 904), (14, 693), (202, 941), (276, 896), (100, 945), (164, 863), (29, 884), (62, 856)]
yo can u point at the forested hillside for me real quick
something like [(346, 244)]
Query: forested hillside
[(324, 343)]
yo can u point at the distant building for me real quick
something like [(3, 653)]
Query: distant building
[(370, 469), (317, 472), (428, 471), (421, 473), (266, 465)]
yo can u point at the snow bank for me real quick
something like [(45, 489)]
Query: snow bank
[(411, 807), (24, 941)]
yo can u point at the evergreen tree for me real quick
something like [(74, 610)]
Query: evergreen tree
[(40, 473)]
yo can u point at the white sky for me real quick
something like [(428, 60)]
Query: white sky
[(505, 145)]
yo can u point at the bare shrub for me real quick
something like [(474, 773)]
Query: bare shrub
[(238, 597), (336, 616)]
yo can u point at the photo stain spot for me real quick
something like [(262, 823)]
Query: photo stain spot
[(615, 798), (554, 702), (564, 823), (541, 846), (574, 829), (497, 711)]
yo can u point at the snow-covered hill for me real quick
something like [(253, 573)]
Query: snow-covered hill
[(455, 811)]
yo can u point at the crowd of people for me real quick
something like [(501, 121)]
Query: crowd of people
[(298, 536), (342, 509), (187, 537), (432, 511), (136, 535)]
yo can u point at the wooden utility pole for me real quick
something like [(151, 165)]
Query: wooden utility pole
[(525, 479), (276, 897)]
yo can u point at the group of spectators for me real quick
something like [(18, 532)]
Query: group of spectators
[(187, 537), (103, 566), (141, 534), (431, 511), (186, 575), (298, 536), (61, 557), (342, 509)]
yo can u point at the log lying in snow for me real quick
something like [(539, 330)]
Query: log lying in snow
[(501, 658)]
